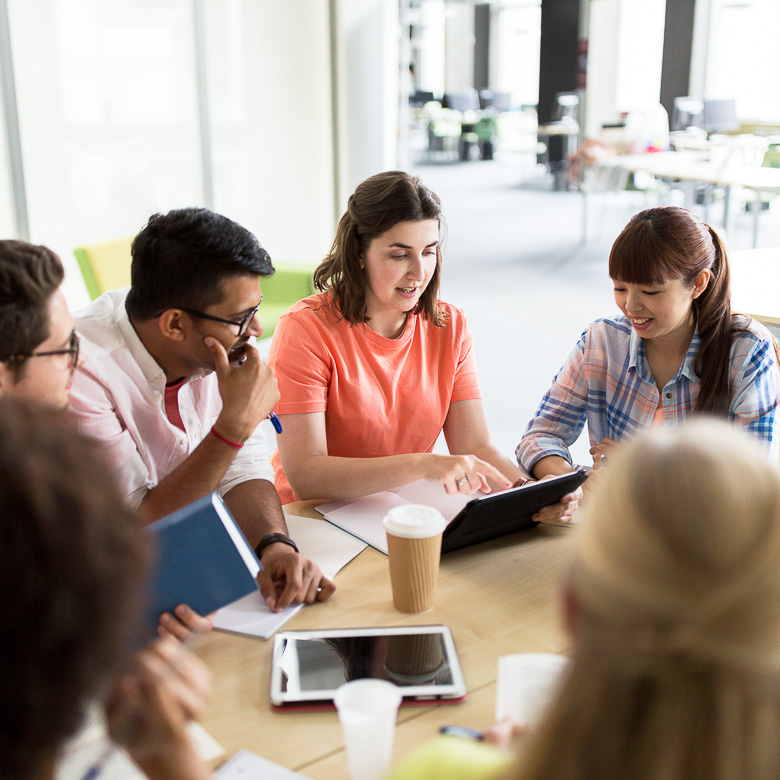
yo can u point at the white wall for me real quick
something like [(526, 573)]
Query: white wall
[(269, 94), (741, 60), (368, 82), (625, 53), (515, 34), (459, 47), (430, 75)]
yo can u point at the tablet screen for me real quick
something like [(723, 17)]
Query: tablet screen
[(310, 666)]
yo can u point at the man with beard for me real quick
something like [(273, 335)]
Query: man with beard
[(176, 391)]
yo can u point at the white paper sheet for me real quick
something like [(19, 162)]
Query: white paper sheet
[(246, 765), (319, 541), (363, 516), (92, 743)]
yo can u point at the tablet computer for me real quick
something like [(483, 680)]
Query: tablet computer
[(308, 666), (498, 514)]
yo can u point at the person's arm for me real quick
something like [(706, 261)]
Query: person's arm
[(248, 393), (303, 449), (466, 432), (559, 420), (755, 400), (183, 624), (551, 466), (287, 577), (149, 708)]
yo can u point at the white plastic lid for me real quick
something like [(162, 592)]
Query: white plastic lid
[(414, 521)]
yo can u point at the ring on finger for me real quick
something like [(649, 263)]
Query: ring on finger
[(462, 481)]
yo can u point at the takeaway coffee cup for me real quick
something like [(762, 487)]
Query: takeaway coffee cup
[(414, 547), (367, 711)]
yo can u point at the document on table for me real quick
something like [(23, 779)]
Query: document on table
[(246, 765), (330, 549), (362, 517), (91, 745)]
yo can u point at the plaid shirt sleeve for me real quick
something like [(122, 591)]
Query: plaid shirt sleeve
[(755, 388), (561, 415)]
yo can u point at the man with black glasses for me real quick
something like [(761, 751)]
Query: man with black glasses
[(176, 391), (39, 350)]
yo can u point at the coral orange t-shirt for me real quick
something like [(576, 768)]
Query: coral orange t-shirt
[(380, 396)]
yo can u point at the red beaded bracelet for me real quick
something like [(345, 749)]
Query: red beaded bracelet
[(227, 441)]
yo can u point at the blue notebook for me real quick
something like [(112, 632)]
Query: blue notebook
[(202, 559)]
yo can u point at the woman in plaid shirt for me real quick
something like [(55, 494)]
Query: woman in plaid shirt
[(677, 349)]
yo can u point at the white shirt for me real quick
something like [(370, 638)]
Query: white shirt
[(118, 397)]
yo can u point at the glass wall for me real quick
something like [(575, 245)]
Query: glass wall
[(108, 97), (107, 116)]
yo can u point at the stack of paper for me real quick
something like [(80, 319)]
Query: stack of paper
[(362, 517), (328, 547)]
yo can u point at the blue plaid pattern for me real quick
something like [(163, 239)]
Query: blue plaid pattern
[(607, 382)]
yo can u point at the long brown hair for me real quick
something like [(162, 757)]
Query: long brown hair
[(377, 204), (73, 561), (676, 584), (673, 243)]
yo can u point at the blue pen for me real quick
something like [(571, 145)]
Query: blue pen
[(275, 422), (272, 417)]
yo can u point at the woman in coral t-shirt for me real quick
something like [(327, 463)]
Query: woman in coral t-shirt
[(372, 369)]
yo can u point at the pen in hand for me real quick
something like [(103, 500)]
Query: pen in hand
[(272, 416)]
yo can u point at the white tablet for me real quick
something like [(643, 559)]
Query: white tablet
[(308, 666)]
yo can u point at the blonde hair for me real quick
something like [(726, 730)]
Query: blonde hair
[(676, 578)]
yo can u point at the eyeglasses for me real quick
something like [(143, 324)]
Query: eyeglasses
[(72, 350), (242, 324)]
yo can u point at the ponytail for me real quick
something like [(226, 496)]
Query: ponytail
[(714, 321)]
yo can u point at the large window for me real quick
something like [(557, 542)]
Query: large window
[(107, 110), (6, 206), (112, 98), (741, 59)]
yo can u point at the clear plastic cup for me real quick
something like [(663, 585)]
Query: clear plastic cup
[(367, 711)]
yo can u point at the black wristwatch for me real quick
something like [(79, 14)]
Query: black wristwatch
[(273, 539)]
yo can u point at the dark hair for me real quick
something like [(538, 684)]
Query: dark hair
[(71, 562), (182, 258), (673, 243), (377, 204), (29, 276)]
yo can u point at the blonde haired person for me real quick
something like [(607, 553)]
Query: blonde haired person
[(673, 606)]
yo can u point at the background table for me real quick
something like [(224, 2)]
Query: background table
[(498, 598), (690, 167)]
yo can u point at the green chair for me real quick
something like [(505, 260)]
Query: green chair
[(104, 266), (290, 283)]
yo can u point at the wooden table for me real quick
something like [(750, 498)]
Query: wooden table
[(498, 598), (693, 167)]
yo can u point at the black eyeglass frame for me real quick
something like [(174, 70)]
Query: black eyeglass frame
[(242, 324), (73, 351)]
